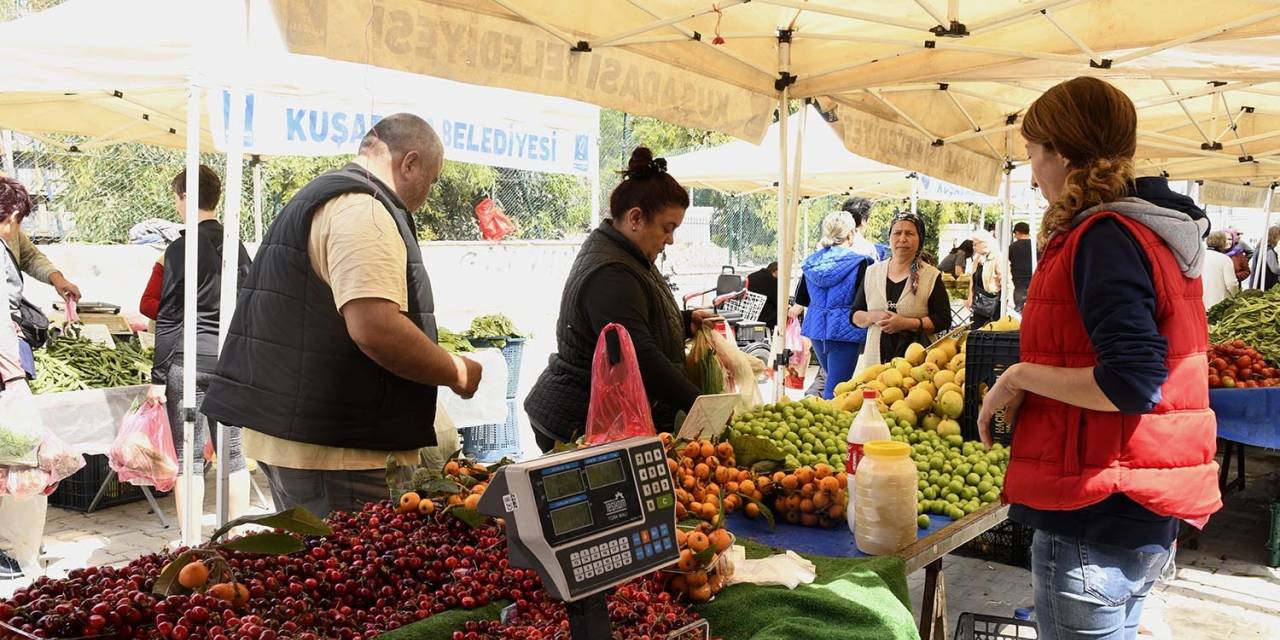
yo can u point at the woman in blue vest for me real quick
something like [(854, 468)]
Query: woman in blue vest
[(831, 277)]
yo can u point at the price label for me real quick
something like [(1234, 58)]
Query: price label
[(98, 333), (708, 416)]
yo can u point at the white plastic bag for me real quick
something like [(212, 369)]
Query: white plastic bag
[(739, 372), (21, 430), (489, 404)]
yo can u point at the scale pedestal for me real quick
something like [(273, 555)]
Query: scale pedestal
[(589, 617)]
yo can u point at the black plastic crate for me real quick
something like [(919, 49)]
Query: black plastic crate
[(987, 355), (77, 491), (1007, 543), (978, 626)]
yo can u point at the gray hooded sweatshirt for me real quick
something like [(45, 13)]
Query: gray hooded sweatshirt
[(1179, 231)]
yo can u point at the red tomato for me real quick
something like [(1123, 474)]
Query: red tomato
[(1219, 364), (1244, 362), (1214, 382)]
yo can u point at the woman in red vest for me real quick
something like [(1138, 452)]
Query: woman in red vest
[(1114, 440)]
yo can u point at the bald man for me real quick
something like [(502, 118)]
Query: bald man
[(331, 363)]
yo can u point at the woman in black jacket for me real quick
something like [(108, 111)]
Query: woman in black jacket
[(613, 280), (166, 369)]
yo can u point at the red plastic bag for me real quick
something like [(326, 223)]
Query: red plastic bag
[(619, 406), (494, 224), (143, 452), (798, 363)]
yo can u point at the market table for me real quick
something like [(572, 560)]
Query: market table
[(943, 536), (1245, 417)]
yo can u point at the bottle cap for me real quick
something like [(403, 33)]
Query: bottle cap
[(870, 394), (1023, 613), (887, 449)]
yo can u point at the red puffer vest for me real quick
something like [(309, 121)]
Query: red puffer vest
[(1065, 457)]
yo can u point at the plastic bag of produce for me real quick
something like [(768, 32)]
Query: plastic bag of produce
[(143, 452), (24, 482), (739, 370), (798, 363), (702, 365), (619, 406), (58, 459), (21, 430)]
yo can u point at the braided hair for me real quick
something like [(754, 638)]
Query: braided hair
[(907, 216)]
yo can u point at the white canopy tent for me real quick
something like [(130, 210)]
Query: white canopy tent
[(152, 79)]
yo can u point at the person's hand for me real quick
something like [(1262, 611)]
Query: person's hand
[(1006, 395), (968, 303), (795, 311), (893, 323), (698, 317), (155, 395), (469, 373), (65, 288)]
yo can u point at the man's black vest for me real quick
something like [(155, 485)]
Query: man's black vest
[(557, 405), (290, 370)]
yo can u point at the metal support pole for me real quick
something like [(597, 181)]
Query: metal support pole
[(915, 194), (10, 167), (1006, 235), (1259, 279), (256, 163), (230, 269), (784, 265), (593, 177), (191, 520)]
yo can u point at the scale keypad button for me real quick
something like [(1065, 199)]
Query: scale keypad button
[(648, 505), (640, 459), (578, 574), (623, 544), (575, 559)]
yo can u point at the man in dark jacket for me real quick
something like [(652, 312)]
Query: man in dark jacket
[(331, 362), (1020, 263)]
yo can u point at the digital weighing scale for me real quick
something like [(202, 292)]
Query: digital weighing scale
[(588, 520)]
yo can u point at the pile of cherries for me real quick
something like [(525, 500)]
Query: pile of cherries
[(379, 571)]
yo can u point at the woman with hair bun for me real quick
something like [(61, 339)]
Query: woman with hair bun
[(614, 279), (1113, 439)]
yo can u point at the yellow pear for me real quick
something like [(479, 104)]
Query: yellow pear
[(948, 428), (920, 400), (892, 394), (930, 421), (908, 384), (938, 358), (950, 386), (949, 345), (845, 387), (915, 354), (960, 377), (940, 378), (951, 404), (927, 387), (877, 385), (903, 412), (902, 366), (956, 364), (891, 378)]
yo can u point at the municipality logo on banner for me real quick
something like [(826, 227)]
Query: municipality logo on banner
[(286, 125)]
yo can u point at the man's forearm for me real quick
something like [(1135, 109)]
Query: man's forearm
[(403, 349), (1075, 386)]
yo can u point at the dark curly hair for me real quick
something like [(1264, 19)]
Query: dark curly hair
[(646, 185), (14, 199)]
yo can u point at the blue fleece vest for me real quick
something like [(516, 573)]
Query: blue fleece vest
[(832, 276)]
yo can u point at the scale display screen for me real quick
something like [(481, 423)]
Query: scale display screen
[(571, 518), (603, 474), (559, 485)]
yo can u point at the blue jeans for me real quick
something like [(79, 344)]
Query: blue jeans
[(837, 358), (1088, 590)]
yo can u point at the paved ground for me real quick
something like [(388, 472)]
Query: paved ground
[(1222, 590)]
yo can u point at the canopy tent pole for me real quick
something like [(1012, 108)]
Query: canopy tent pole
[(1259, 280), (784, 264), (804, 235), (1006, 234), (230, 266), (593, 179), (191, 529), (10, 167), (256, 163), (915, 194)]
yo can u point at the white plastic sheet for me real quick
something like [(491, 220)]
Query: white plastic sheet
[(88, 420), (489, 404)]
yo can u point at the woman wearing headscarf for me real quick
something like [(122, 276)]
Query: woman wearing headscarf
[(984, 287), (901, 300)]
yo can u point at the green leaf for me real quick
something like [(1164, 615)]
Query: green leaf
[(440, 486), (266, 543), (296, 520), (469, 516), (705, 556), (467, 481), (393, 477), (564, 447), (765, 512), (765, 467), (167, 581), (493, 468), (749, 450)]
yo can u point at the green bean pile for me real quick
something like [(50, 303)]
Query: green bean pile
[(1251, 316), (453, 342), (72, 363)]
